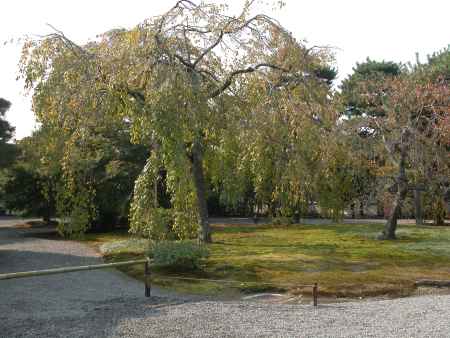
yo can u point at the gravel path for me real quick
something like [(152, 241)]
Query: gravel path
[(106, 303)]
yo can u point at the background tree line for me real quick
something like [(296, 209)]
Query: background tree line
[(196, 112)]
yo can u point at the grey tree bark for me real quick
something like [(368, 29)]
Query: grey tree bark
[(402, 190), (200, 190)]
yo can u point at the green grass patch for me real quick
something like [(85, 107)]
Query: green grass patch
[(346, 260)]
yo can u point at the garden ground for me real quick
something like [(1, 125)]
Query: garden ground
[(345, 259), (106, 303)]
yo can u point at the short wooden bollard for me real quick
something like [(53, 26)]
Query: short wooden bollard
[(315, 293), (147, 280)]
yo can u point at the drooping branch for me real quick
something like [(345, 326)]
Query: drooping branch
[(59, 35)]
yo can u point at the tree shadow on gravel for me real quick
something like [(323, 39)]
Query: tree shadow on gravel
[(97, 319), (75, 304), (24, 260), (78, 304), (12, 236), (16, 230)]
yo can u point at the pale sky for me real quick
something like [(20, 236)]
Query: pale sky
[(393, 30)]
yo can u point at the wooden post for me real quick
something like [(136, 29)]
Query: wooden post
[(147, 280), (315, 294)]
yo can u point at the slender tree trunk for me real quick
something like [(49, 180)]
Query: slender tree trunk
[(49, 209), (199, 182), (402, 189), (418, 206), (46, 217)]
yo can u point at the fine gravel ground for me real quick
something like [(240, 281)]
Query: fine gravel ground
[(106, 303)]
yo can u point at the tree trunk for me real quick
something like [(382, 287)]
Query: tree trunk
[(402, 190), (352, 207), (46, 218), (391, 225), (200, 190), (418, 206), (361, 209)]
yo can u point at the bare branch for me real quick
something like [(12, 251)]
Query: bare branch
[(207, 50), (250, 69)]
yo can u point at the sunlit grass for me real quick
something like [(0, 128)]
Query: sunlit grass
[(346, 260)]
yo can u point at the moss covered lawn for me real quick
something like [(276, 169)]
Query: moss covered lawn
[(346, 260)]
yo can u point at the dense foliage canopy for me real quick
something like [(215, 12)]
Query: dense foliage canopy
[(7, 150), (198, 110)]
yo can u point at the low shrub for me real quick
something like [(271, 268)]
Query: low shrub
[(178, 255), (282, 220)]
